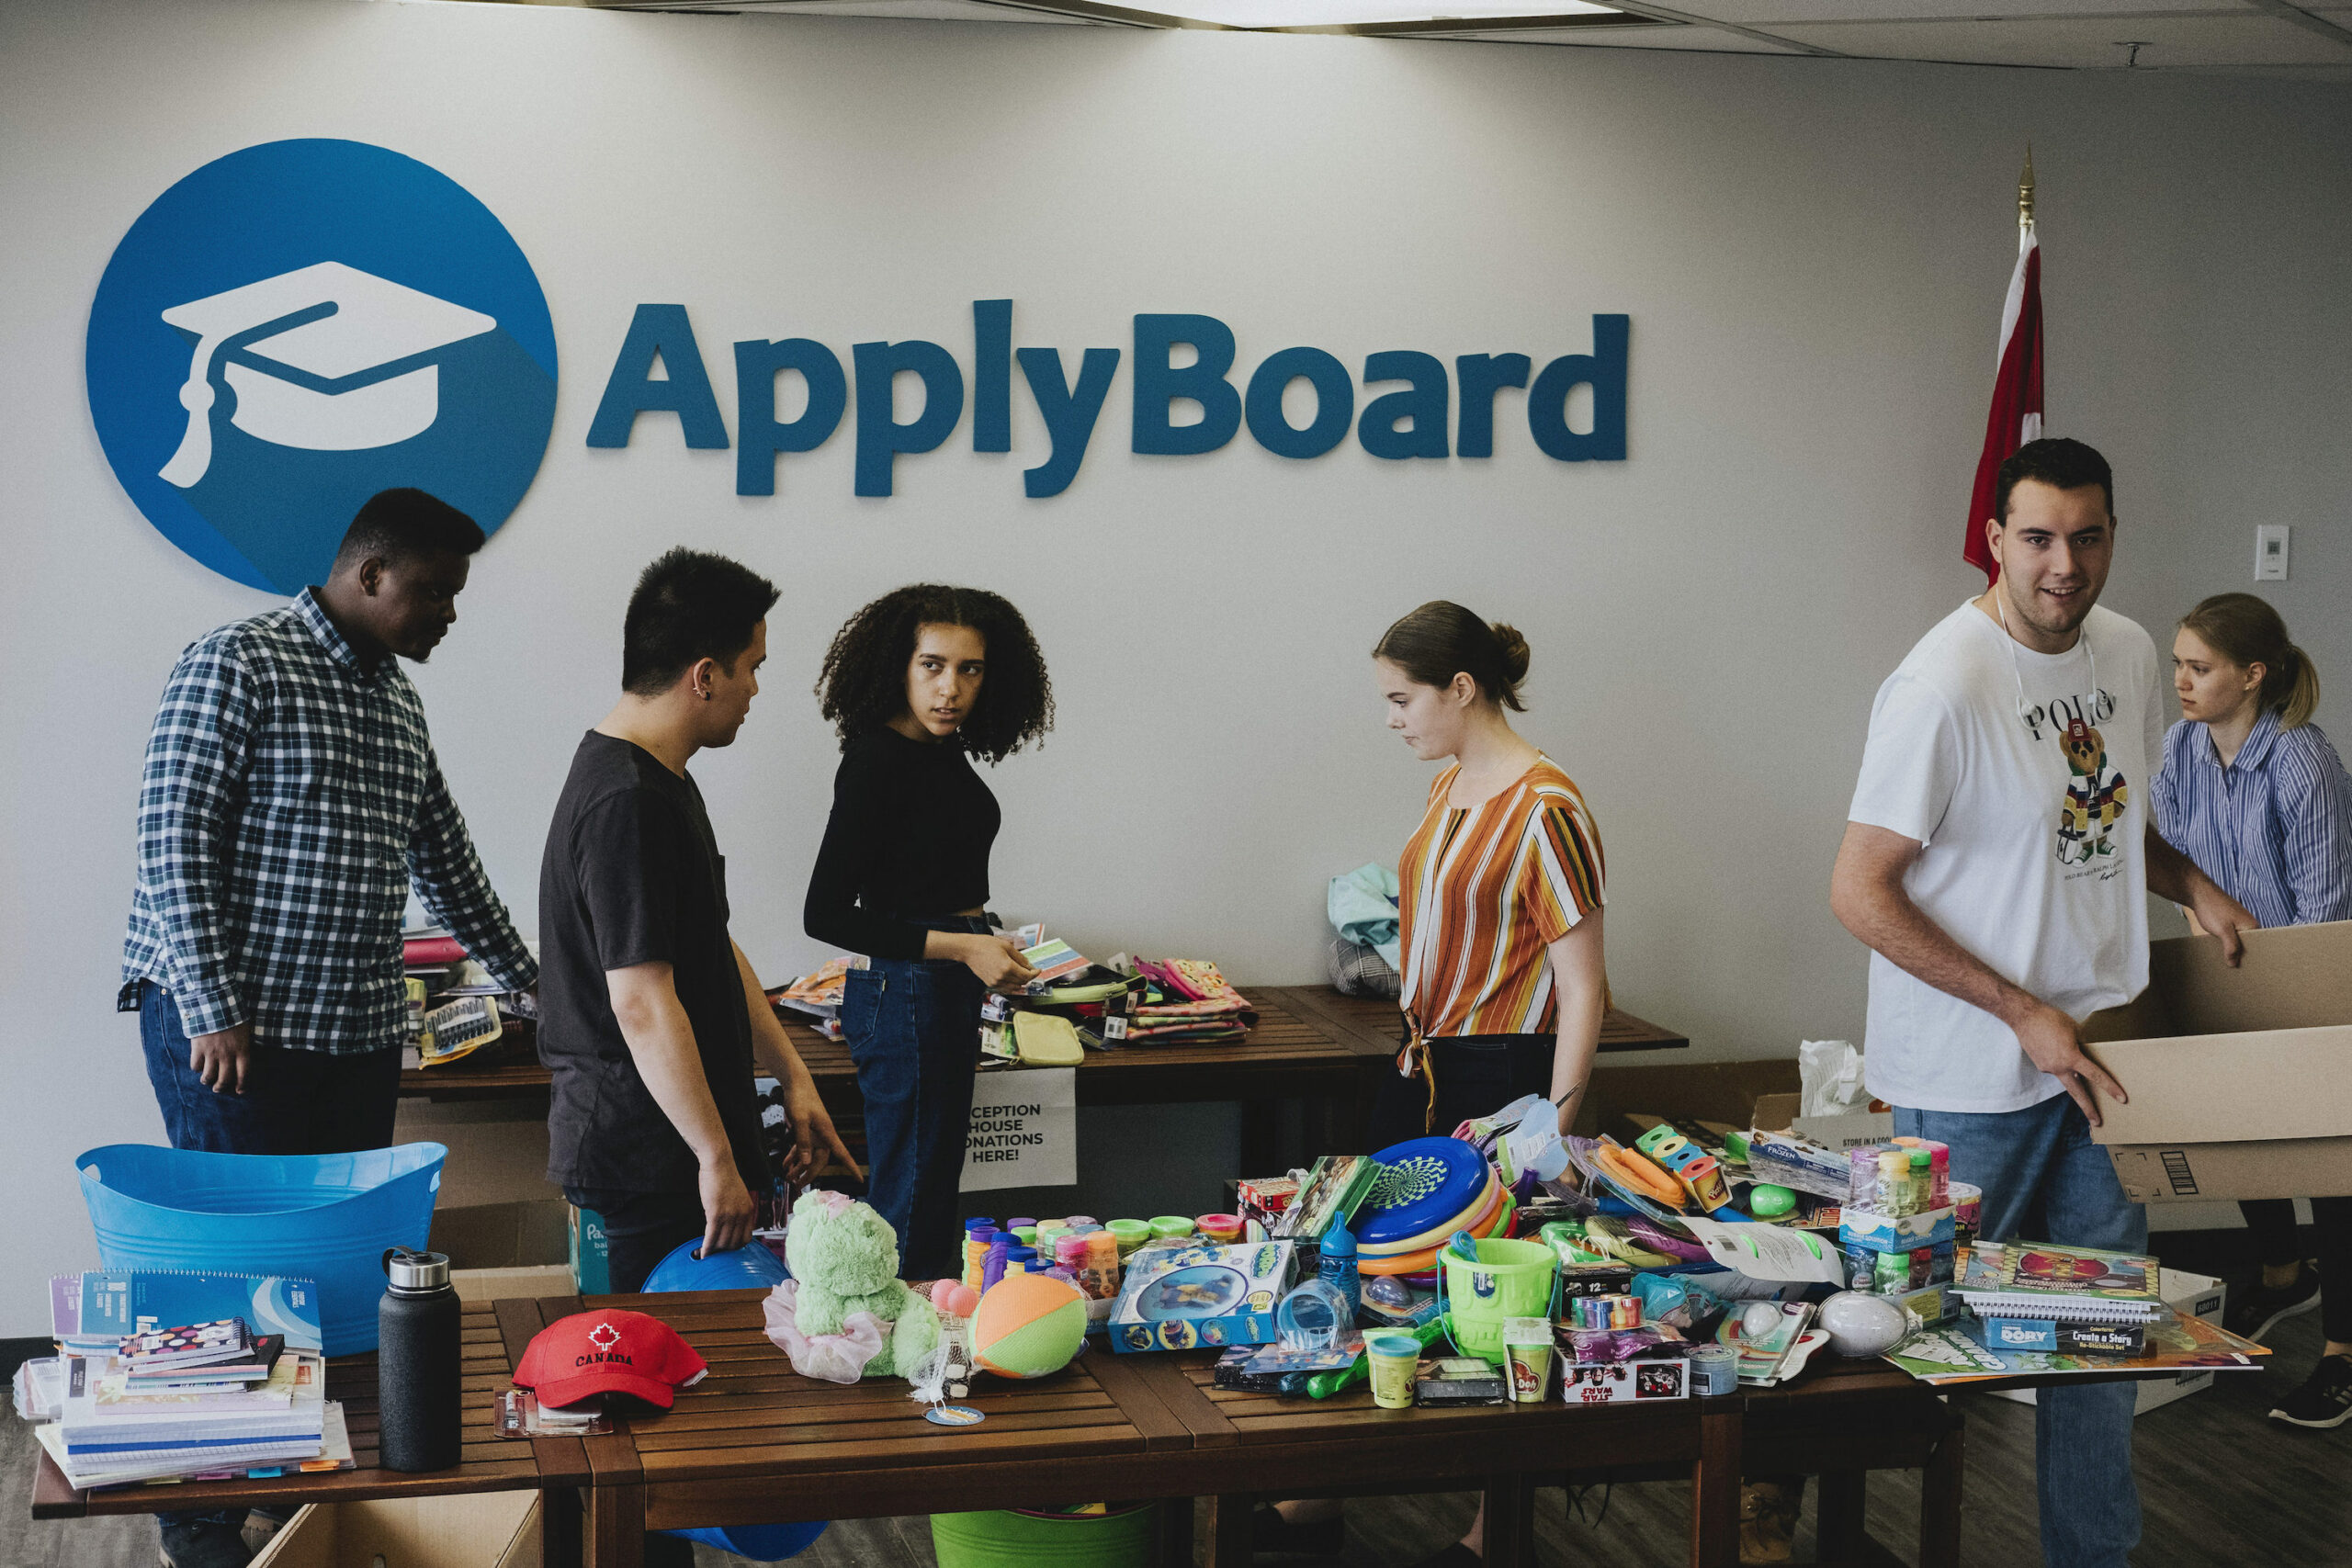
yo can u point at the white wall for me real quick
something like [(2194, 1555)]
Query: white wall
[(1813, 253)]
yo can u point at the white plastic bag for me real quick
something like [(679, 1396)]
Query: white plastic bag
[(1829, 1079)]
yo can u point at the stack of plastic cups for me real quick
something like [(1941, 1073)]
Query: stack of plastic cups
[(1069, 1258), (1021, 1260), (1129, 1236), (1222, 1229), (977, 1241)]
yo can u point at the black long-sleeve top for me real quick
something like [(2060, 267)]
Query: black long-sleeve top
[(908, 839)]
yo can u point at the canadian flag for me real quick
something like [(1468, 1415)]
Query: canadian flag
[(2015, 416)]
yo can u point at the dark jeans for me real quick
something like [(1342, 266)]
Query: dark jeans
[(641, 1228), (2272, 1221), (295, 1103), (1476, 1074), (913, 1027)]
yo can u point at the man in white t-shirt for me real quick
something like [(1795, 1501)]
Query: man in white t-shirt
[(1997, 860)]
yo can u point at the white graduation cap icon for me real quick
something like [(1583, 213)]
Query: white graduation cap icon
[(329, 345)]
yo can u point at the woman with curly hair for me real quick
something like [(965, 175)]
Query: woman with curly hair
[(917, 684)]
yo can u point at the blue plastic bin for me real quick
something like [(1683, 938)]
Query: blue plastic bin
[(327, 1218)]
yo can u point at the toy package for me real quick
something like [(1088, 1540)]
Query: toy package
[(1190, 1297)]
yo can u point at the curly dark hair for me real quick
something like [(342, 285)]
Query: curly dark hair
[(863, 683)]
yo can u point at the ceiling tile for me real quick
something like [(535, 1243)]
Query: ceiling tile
[(1356, 12), (917, 10), (1714, 39), (1764, 14), (2172, 41)]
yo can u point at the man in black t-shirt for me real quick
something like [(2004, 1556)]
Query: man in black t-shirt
[(652, 1018)]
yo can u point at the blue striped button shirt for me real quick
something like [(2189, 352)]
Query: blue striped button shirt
[(2274, 829), (289, 796)]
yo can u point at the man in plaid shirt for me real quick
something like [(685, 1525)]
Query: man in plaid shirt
[(290, 795)]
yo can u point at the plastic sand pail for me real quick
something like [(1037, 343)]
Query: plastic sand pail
[(325, 1218), (1121, 1538), (1512, 1278)]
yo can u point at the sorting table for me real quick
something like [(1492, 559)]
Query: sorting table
[(754, 1442), (1311, 1044), (488, 1463)]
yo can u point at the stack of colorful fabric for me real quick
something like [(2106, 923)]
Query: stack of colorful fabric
[(1188, 1002)]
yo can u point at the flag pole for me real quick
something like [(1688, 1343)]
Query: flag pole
[(2025, 197)]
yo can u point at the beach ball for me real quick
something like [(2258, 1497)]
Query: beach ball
[(1028, 1325)]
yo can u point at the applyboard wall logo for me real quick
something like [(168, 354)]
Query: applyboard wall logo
[(300, 324)]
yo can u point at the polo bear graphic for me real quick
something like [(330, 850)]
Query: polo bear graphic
[(2096, 796)]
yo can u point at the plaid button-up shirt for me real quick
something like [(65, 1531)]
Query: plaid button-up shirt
[(289, 796)]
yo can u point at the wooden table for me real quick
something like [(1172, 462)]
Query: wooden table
[(1252, 1445), (489, 1463), (755, 1443)]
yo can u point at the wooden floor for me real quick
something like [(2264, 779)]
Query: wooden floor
[(2220, 1483)]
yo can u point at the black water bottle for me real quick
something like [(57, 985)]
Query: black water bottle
[(417, 1376)]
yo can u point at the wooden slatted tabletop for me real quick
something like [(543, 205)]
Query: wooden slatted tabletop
[(1372, 1022), (489, 1463), (1295, 1052)]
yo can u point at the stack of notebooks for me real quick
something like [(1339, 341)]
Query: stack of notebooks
[(183, 1394), (817, 996), (2037, 1309), (2068, 1300)]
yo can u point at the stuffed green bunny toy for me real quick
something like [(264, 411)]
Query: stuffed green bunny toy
[(845, 1313)]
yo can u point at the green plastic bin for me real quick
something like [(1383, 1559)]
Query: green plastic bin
[(1125, 1536)]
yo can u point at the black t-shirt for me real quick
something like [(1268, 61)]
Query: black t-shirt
[(909, 836), (632, 875)]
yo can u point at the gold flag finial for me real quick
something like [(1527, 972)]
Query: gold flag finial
[(2025, 191)]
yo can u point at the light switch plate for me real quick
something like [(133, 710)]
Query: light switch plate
[(2271, 545)]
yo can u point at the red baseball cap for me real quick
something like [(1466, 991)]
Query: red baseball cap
[(608, 1352)]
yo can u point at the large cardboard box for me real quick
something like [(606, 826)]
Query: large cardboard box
[(2191, 1295), (486, 1529), (2240, 1079)]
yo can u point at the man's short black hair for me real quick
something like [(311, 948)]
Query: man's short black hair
[(2058, 462), (689, 606), (400, 524)]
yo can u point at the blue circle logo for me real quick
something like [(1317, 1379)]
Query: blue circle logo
[(301, 324)]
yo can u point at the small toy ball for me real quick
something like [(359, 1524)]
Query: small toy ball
[(954, 1298), (1387, 1290), (1028, 1325), (1767, 1202)]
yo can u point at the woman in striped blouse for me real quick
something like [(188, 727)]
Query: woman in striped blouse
[(2252, 792), (1500, 889)]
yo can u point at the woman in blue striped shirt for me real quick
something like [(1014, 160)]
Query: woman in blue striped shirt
[(2252, 792)]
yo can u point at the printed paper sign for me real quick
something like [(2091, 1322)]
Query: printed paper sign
[(1025, 1130)]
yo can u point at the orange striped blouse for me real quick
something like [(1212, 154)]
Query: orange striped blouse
[(1485, 892)]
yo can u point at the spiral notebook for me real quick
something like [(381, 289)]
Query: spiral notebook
[(2046, 1282)]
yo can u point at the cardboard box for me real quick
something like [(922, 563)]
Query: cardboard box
[(1725, 1093), (481, 1285), (1855, 1130), (2240, 1079), (485, 1529), (2191, 1295), (1894, 1233)]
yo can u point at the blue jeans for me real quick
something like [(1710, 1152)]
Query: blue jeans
[(295, 1103), (2045, 1181), (913, 1029)]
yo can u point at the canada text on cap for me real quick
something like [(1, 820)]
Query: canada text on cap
[(326, 357)]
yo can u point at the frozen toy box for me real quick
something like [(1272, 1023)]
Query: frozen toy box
[(1189, 1297)]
